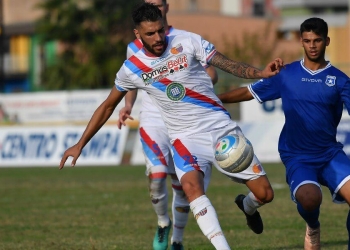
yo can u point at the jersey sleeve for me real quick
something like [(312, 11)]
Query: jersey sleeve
[(122, 81), (345, 95), (203, 50), (266, 89)]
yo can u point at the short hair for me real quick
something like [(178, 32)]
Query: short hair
[(146, 12), (316, 25)]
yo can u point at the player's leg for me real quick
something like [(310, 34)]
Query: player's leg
[(336, 176), (155, 155), (191, 161), (261, 192), (180, 209), (306, 192)]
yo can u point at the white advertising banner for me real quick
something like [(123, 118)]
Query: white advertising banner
[(57, 106), (44, 146)]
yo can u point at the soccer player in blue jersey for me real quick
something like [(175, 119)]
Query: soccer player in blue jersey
[(313, 94)]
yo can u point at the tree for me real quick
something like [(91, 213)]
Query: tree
[(92, 37)]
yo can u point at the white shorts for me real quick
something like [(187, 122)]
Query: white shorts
[(156, 148), (197, 152)]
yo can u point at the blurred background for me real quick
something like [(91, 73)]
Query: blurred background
[(58, 60)]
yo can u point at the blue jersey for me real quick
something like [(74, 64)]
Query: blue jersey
[(312, 103)]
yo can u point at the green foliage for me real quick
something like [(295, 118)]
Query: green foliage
[(92, 35), (108, 208)]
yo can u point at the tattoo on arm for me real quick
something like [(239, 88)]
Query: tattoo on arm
[(239, 69)]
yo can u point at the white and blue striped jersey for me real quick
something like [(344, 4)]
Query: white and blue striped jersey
[(312, 103), (178, 84), (148, 109)]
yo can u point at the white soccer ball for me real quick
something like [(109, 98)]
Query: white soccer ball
[(234, 153)]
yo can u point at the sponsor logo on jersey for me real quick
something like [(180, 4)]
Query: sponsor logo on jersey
[(170, 67), (310, 80), (179, 64), (175, 91), (155, 75), (160, 59), (330, 81), (177, 49)]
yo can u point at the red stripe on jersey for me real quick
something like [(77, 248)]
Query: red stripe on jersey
[(177, 187), (139, 64), (195, 95), (167, 81), (185, 154), (158, 175), (153, 146), (138, 43)]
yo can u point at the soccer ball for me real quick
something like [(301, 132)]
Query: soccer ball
[(234, 153)]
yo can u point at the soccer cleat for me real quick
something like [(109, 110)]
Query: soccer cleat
[(160, 241), (312, 238), (254, 221), (177, 246)]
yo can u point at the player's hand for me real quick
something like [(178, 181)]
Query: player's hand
[(74, 151), (273, 68), (124, 114)]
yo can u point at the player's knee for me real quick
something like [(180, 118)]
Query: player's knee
[(178, 192), (309, 196), (269, 195), (157, 185), (264, 195)]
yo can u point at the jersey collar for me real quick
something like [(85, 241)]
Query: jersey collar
[(312, 72)]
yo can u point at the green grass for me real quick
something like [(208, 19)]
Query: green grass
[(109, 208)]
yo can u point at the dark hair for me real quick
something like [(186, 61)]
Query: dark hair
[(316, 25), (146, 12)]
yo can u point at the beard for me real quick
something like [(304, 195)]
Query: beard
[(150, 48)]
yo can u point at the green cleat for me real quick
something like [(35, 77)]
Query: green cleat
[(160, 241)]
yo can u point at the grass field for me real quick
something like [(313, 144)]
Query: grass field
[(108, 208)]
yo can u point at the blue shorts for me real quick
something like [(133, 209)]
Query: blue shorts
[(333, 174)]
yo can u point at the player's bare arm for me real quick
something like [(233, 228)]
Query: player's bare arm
[(125, 112), (98, 119), (244, 70), (237, 95)]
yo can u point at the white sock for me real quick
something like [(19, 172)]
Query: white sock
[(208, 222), (251, 203), (180, 208), (159, 199)]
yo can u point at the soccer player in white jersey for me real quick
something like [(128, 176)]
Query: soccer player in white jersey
[(157, 151), (313, 93), (169, 69)]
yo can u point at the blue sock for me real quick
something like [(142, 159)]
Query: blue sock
[(311, 217), (348, 227)]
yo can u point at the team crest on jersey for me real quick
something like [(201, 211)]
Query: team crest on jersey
[(175, 91), (330, 81), (177, 49)]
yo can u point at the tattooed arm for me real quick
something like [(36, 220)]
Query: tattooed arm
[(244, 70)]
